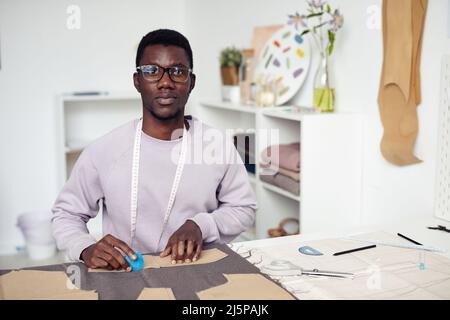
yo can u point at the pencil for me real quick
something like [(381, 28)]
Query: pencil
[(354, 250), (410, 240)]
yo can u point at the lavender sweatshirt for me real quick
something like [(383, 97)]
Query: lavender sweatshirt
[(214, 190)]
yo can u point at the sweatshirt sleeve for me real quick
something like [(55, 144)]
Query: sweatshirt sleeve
[(75, 205), (237, 205)]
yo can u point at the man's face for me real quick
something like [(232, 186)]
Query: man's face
[(164, 99)]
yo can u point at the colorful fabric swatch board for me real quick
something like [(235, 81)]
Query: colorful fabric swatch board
[(284, 61)]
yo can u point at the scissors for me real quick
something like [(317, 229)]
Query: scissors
[(287, 268), (439, 227)]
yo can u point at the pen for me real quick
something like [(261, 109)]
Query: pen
[(410, 240), (354, 250)]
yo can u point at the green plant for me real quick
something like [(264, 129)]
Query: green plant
[(230, 57)]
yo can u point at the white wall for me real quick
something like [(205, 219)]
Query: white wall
[(393, 192), (41, 58), (390, 192)]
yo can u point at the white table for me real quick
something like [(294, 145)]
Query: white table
[(382, 273), (414, 229)]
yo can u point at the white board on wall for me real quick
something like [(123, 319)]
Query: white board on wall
[(442, 200)]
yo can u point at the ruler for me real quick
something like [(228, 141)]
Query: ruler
[(398, 245)]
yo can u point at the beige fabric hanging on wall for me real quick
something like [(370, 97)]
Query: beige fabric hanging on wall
[(399, 95)]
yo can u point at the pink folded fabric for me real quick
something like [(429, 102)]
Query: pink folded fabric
[(286, 156)]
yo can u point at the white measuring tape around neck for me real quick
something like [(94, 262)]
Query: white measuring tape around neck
[(135, 180)]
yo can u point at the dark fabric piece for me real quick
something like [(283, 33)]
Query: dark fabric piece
[(245, 145), (250, 168), (185, 281)]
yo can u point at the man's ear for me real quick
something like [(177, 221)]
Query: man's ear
[(192, 82), (136, 81)]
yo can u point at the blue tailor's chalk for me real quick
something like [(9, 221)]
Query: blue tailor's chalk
[(137, 264), (309, 251)]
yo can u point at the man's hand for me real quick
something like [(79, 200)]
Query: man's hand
[(105, 254), (185, 244)]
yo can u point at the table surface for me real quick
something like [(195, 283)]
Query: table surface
[(22, 260), (387, 273), (415, 229)]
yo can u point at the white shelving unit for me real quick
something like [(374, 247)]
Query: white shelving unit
[(81, 120), (330, 161)]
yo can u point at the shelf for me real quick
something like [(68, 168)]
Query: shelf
[(280, 191), (293, 113), (230, 106), (301, 124), (69, 97), (288, 112)]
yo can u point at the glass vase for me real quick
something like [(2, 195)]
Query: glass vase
[(324, 93)]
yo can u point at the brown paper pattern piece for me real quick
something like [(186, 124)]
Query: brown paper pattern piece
[(399, 95), (245, 287), (207, 256), (41, 285), (156, 294)]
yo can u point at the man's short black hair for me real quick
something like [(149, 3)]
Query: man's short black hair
[(164, 37)]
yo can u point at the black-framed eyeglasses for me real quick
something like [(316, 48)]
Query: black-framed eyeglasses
[(154, 73)]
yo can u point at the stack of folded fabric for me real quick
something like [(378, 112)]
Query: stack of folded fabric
[(245, 145), (280, 166)]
